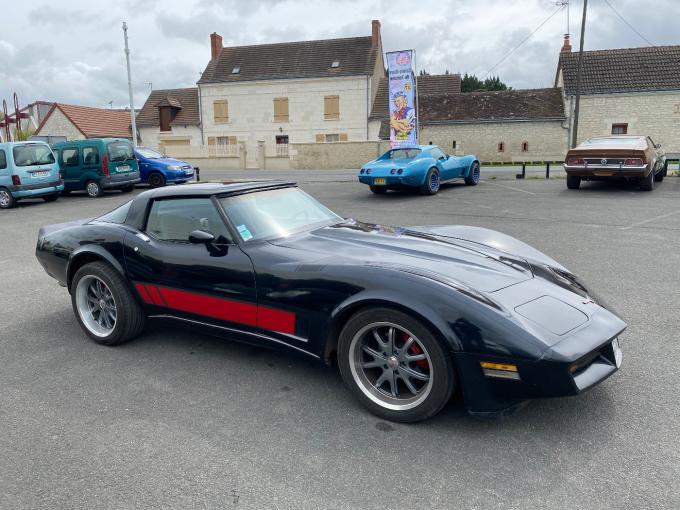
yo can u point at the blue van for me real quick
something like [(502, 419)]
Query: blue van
[(28, 170), (96, 164), (158, 169)]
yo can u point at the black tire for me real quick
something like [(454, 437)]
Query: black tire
[(51, 198), (94, 189), (130, 315), (7, 200), (658, 177), (156, 180), (128, 189), (573, 182), (647, 183), (473, 178), (428, 188), (378, 190), (439, 365)]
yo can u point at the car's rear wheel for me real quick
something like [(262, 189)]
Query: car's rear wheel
[(573, 182), (378, 190), (156, 180), (432, 182), (473, 178), (104, 305), (647, 183), (7, 200), (94, 189), (51, 198), (394, 365), (661, 174)]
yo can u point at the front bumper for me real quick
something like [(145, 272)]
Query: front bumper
[(120, 180), (587, 171), (36, 190)]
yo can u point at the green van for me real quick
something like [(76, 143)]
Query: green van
[(97, 164)]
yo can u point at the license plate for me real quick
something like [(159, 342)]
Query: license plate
[(379, 181), (189, 172), (618, 353), (40, 174), (123, 168)]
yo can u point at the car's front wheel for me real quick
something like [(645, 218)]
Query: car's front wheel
[(658, 177), (473, 178), (394, 365), (105, 307), (156, 180)]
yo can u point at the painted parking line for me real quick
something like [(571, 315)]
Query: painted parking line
[(650, 220), (508, 187)]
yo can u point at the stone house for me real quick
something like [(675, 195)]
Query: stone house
[(631, 90), (79, 122), (170, 119), (296, 92)]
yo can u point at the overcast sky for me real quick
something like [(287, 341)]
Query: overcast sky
[(71, 51)]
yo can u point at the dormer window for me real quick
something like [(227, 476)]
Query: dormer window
[(236, 70), (335, 64)]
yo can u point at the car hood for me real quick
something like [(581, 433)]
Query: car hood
[(474, 265)]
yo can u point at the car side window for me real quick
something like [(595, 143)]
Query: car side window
[(173, 219), (437, 154), (90, 156), (3, 159), (69, 156)]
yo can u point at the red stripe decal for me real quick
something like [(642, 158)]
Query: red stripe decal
[(156, 295), (141, 288), (276, 320), (209, 306)]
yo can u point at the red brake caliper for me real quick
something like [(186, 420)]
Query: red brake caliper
[(415, 350)]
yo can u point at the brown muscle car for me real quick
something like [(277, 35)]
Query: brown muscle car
[(631, 157)]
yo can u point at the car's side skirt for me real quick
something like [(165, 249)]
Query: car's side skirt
[(237, 331)]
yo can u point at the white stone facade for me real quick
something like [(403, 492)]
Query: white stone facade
[(58, 124), (186, 135), (251, 109)]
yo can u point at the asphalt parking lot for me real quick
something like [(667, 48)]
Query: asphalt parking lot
[(181, 419)]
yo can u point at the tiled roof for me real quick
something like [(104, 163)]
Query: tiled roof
[(429, 85), (623, 70), (94, 122), (185, 100), (499, 106), (305, 59)]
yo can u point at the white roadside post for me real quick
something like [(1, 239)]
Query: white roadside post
[(132, 106)]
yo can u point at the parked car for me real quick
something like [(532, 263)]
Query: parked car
[(409, 313), (157, 169), (97, 164), (631, 157), (422, 167), (28, 170)]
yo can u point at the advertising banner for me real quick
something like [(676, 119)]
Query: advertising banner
[(402, 96)]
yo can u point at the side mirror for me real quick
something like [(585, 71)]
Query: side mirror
[(201, 237), (658, 146)]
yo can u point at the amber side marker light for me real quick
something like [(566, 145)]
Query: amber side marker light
[(499, 370)]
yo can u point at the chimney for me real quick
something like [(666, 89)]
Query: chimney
[(567, 45), (375, 33), (215, 45)]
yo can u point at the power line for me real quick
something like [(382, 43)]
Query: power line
[(628, 24), (523, 41)]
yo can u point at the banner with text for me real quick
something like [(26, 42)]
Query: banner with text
[(402, 92)]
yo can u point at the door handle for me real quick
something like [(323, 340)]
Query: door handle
[(143, 237)]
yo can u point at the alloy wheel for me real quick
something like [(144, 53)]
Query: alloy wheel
[(5, 199), (96, 305)]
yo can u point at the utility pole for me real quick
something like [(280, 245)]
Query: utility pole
[(132, 105), (579, 69)]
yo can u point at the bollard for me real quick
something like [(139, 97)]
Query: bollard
[(547, 170), (198, 174), (524, 172)]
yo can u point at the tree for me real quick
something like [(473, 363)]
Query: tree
[(470, 83)]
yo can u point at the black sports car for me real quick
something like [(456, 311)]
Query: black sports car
[(411, 314)]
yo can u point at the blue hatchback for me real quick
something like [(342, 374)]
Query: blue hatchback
[(158, 170)]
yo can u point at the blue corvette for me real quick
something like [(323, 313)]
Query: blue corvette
[(422, 167), (157, 169)]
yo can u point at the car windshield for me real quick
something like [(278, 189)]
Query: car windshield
[(403, 153), (613, 141), (145, 152), (120, 151), (32, 154), (275, 213)]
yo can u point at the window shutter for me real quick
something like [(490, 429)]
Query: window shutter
[(331, 107), (280, 109), (319, 138), (221, 110), (343, 137), (211, 140), (232, 140)]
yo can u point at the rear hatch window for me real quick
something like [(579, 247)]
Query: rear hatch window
[(32, 154), (121, 157)]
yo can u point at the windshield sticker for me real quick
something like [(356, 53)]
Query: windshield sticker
[(244, 232)]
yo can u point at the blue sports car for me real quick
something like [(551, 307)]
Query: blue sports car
[(422, 167)]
